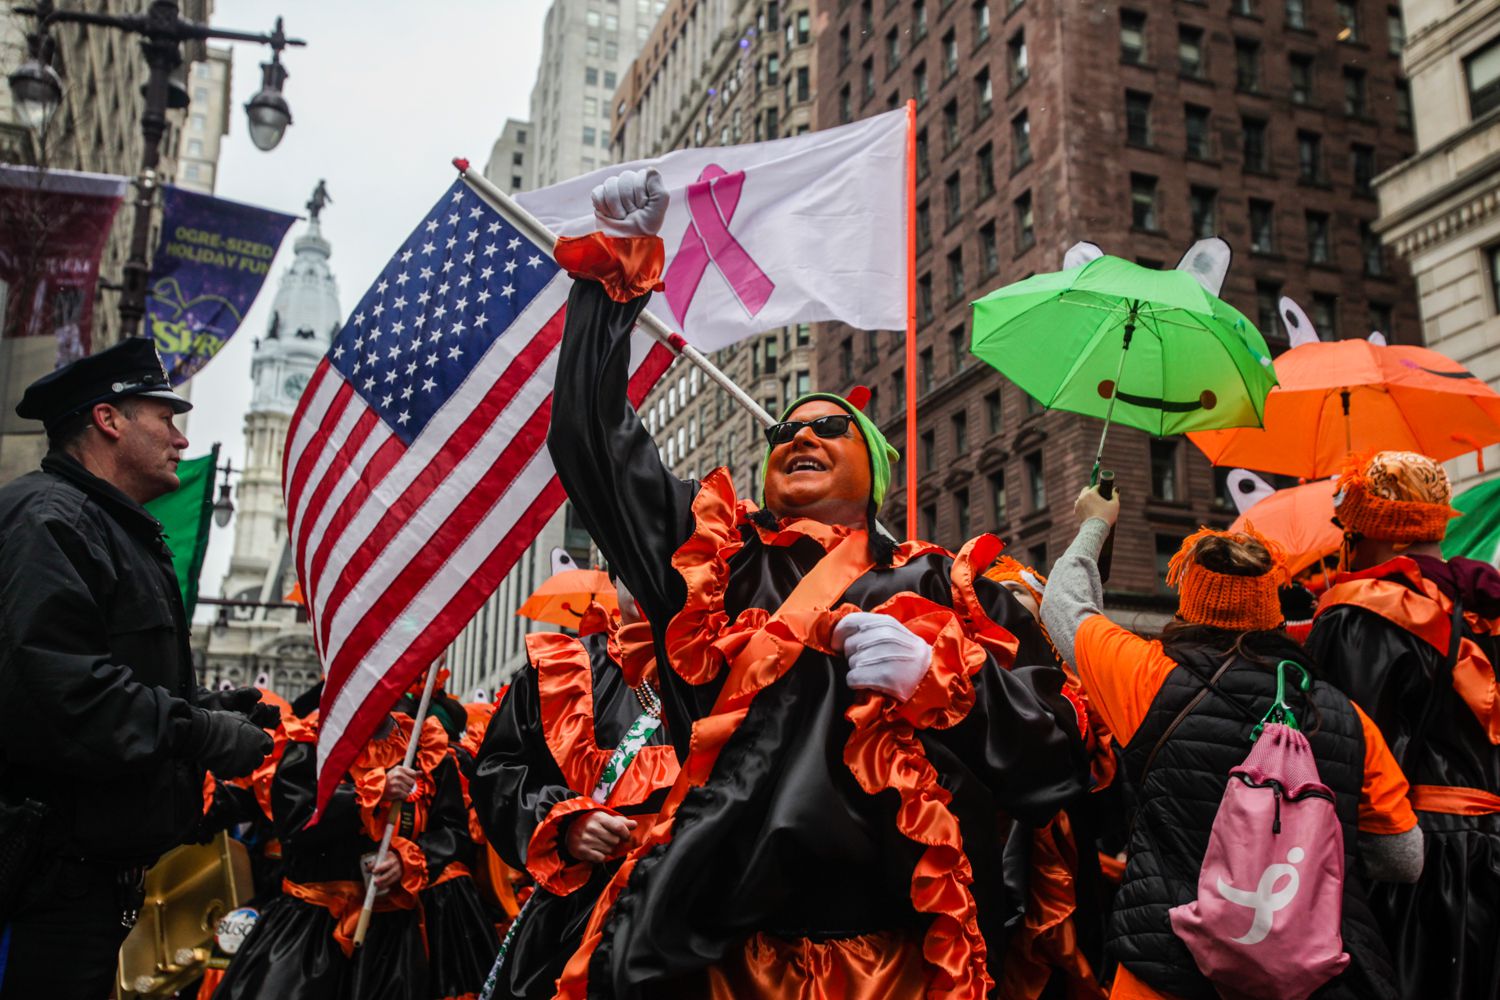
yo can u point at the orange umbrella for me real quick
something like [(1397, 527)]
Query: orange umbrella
[(564, 597), (1300, 520), (1354, 396)]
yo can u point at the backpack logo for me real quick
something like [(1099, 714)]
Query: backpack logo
[(1266, 899)]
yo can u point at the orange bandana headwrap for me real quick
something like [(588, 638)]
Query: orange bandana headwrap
[(1395, 496), (1225, 600)]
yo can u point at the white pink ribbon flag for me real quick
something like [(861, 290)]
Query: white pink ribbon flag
[(765, 235)]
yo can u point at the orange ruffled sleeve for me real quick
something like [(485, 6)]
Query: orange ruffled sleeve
[(544, 858), (627, 267), (703, 562)]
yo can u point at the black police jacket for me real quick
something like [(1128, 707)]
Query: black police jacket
[(96, 675)]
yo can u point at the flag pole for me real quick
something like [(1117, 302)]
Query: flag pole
[(395, 814), (538, 233), (911, 319)]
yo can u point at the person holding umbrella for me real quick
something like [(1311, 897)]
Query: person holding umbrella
[(1411, 637), (1182, 709)]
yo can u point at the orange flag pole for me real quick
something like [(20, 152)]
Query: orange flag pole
[(911, 319)]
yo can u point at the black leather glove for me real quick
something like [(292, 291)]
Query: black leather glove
[(227, 743), (246, 701)]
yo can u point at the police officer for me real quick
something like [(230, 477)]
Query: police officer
[(104, 734)]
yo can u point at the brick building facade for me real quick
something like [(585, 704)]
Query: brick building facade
[(1140, 127)]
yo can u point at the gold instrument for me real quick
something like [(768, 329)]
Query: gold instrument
[(187, 893)]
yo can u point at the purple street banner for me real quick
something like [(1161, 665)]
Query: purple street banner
[(53, 228), (210, 263)]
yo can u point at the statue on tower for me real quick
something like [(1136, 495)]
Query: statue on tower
[(318, 200)]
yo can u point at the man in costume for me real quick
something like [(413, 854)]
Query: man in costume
[(104, 735), (571, 772), (852, 741), (1385, 633)]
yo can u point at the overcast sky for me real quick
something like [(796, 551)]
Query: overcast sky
[(383, 96)]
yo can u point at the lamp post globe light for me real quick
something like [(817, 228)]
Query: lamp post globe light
[(37, 91)]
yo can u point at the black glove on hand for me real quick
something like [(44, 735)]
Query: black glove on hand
[(227, 743), (246, 701)]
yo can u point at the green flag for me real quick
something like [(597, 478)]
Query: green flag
[(1477, 533), (184, 515)]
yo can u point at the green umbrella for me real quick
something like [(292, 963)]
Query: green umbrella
[(1182, 358), (1476, 534)]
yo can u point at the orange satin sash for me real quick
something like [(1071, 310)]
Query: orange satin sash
[(1454, 800)]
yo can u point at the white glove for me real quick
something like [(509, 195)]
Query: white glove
[(631, 204), (884, 655)]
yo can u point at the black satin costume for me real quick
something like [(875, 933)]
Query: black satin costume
[(782, 839)]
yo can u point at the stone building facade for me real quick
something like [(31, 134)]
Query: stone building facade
[(510, 156), (1440, 210), (719, 73), (1140, 126)]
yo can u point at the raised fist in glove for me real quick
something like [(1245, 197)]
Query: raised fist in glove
[(883, 654), (631, 204), (227, 743), (245, 701)]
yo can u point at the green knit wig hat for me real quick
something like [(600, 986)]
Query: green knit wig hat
[(881, 456)]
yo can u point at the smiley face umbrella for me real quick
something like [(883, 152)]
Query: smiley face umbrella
[(1337, 397), (563, 597), (1150, 349)]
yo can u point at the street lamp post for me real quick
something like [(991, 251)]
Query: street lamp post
[(224, 505), (38, 92)]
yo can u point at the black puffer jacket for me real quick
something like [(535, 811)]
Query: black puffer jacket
[(96, 676)]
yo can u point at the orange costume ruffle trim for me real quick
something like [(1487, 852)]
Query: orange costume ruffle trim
[(1427, 613), (883, 752), (627, 266)]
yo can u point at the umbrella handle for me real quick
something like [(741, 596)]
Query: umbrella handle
[(1107, 553)]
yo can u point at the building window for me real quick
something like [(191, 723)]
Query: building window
[(1395, 31), (773, 70), (1309, 157), (1354, 93), (1164, 462), (846, 51), (804, 86), (1492, 258), (1019, 66), (919, 84), (1363, 158), (1380, 318), (1025, 231), (1296, 13), (846, 360), (867, 74), (1166, 548), (1253, 135), (992, 414), (924, 298), (960, 424), (950, 126), (1348, 11), (950, 54), (981, 21), (956, 349), (922, 161), (1143, 202), (1325, 315), (1371, 251), (1201, 202), (1195, 121), (924, 227), (926, 376), (919, 20), (1035, 482), (1020, 141), (1132, 37), (1482, 70), (892, 50), (1190, 51), (961, 513), (588, 135), (984, 168), (898, 389), (953, 200), (984, 94), (956, 274), (846, 105), (1267, 310), (1317, 238), (1137, 118), (929, 521), (1244, 8), (1247, 64), (989, 251), (1403, 105), (1262, 226), (997, 498), (1302, 70), (804, 27)]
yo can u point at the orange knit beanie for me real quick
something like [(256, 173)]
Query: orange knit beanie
[(1394, 496), (1226, 600)]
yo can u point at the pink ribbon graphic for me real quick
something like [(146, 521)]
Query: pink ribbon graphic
[(711, 201)]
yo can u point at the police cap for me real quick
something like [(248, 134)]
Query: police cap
[(130, 368)]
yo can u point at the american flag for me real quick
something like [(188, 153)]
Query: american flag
[(416, 468)]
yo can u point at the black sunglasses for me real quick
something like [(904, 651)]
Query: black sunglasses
[(835, 425)]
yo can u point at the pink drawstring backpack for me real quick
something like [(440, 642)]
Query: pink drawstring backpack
[(1266, 923)]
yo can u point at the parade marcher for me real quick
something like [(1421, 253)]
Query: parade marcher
[(104, 735), (1183, 709), (852, 741), (570, 774), (302, 946), (1384, 633)]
